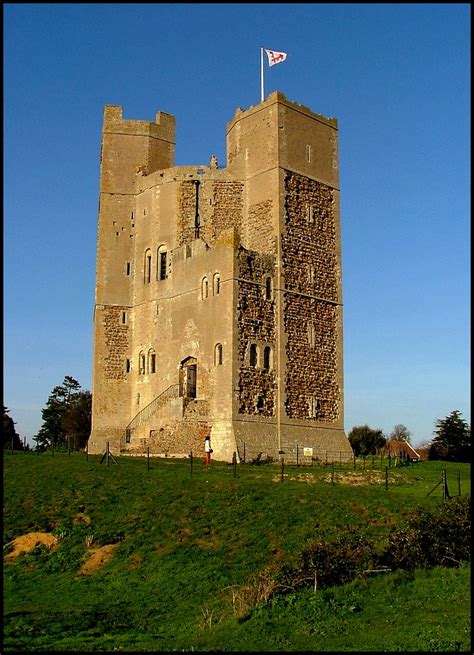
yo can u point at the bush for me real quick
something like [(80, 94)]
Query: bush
[(334, 562), (431, 537)]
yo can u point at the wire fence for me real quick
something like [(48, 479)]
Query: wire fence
[(383, 470)]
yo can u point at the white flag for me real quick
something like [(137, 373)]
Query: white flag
[(275, 57)]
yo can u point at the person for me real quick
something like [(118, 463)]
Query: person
[(207, 450)]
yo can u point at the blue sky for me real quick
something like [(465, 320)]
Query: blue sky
[(397, 78)]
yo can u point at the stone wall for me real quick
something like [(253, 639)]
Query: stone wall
[(310, 267), (309, 247), (311, 380), (227, 206), (116, 336), (260, 231), (256, 320)]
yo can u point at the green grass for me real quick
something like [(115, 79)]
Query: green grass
[(189, 546)]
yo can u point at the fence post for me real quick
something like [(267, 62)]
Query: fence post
[(244, 452), (389, 460), (148, 459), (191, 461), (282, 468), (234, 464), (107, 453), (386, 478), (297, 456)]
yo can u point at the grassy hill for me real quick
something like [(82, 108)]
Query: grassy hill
[(169, 559)]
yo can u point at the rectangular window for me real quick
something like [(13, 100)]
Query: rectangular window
[(124, 318), (128, 268), (153, 363), (128, 367)]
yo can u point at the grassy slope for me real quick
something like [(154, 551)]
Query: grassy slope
[(185, 544)]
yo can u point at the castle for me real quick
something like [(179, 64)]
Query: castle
[(218, 303)]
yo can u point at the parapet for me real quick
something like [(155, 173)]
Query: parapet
[(279, 97), (164, 126)]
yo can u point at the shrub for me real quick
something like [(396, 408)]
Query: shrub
[(334, 562), (431, 537)]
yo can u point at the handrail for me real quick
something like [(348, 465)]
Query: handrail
[(148, 410)]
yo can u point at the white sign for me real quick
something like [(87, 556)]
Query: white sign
[(308, 452)]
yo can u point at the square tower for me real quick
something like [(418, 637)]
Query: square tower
[(222, 312)]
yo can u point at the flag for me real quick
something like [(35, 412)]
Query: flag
[(275, 57)]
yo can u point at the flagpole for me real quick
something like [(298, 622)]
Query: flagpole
[(262, 92)]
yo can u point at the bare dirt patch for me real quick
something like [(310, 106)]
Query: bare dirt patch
[(27, 542), (97, 558)]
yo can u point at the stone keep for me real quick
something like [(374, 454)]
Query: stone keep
[(218, 303)]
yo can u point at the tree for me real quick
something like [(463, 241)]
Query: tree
[(400, 433), (62, 414), (76, 420), (11, 438), (453, 439), (365, 440)]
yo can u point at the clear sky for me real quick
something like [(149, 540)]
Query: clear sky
[(397, 78)]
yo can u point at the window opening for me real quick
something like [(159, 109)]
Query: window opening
[(308, 153), (204, 288), (217, 284), (260, 404), (141, 363), (151, 361), (162, 262), (128, 268), (218, 354), (266, 358), (268, 288), (253, 355), (128, 366), (147, 266)]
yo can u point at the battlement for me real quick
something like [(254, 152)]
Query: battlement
[(279, 97), (164, 126)]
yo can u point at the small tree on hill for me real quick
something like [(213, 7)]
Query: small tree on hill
[(453, 439), (400, 433), (365, 440)]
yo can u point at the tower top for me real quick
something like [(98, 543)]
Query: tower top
[(279, 97)]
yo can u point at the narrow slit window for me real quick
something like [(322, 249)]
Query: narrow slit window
[(128, 268), (268, 288), (308, 153), (204, 288), (253, 355), (128, 366), (124, 318), (217, 284), (151, 361), (147, 271), (218, 354), (141, 363), (266, 358)]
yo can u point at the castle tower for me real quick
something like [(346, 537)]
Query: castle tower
[(219, 295)]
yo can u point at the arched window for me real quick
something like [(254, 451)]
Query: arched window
[(253, 355), (162, 263), (216, 284), (151, 361), (260, 404), (141, 363), (266, 358), (268, 288), (218, 354), (147, 267), (204, 288)]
